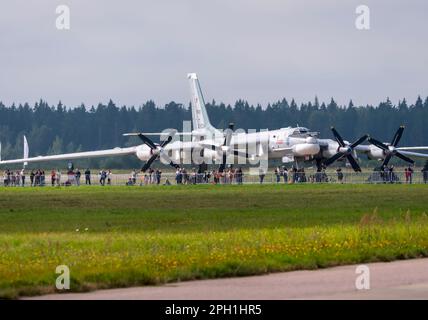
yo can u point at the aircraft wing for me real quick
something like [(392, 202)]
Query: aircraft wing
[(412, 148), (362, 148), (75, 155), (404, 150), (414, 154)]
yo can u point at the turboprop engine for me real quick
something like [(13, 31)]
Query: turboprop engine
[(345, 150), (389, 150), (143, 152), (309, 148), (150, 151), (375, 153)]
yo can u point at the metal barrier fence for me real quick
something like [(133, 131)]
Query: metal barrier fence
[(171, 178)]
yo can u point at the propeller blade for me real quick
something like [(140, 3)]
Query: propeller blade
[(354, 164), (228, 136), (223, 162), (221, 168), (359, 141), (318, 164), (332, 159), (403, 157), (173, 164), (165, 142), (166, 159), (212, 147), (378, 144), (386, 160), (227, 140), (147, 141), (241, 154), (149, 163), (338, 137), (224, 158), (397, 136), (393, 151)]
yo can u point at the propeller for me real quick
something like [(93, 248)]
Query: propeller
[(391, 149), (225, 148), (345, 150), (157, 151)]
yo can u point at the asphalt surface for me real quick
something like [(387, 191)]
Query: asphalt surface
[(407, 279)]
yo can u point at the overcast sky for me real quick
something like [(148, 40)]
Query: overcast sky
[(261, 51)]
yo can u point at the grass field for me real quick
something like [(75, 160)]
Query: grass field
[(131, 236)]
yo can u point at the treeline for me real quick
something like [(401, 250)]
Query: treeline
[(58, 129)]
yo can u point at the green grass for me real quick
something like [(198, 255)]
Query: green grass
[(153, 235)]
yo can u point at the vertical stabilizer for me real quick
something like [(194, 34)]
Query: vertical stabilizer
[(199, 113), (26, 150)]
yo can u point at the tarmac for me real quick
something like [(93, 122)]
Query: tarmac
[(404, 279)]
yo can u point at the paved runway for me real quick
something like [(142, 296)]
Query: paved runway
[(392, 280)]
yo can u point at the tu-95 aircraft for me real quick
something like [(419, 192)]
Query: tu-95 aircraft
[(291, 144)]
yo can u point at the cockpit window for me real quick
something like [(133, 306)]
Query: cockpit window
[(300, 130), (303, 132)]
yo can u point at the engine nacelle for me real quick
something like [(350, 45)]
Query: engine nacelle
[(306, 149), (329, 152), (144, 152), (375, 153)]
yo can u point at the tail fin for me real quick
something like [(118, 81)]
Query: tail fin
[(199, 113), (26, 150)]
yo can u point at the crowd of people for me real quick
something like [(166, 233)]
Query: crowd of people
[(182, 176), (151, 176), (16, 178), (228, 176), (297, 175), (387, 174)]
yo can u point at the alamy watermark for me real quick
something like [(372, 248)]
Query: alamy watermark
[(62, 21), (362, 22), (63, 280), (362, 282)]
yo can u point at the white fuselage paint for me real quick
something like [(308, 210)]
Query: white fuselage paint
[(279, 143)]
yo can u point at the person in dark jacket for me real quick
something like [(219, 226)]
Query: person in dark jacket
[(425, 173), (88, 176)]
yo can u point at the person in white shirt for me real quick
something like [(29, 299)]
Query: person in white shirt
[(23, 177), (109, 174)]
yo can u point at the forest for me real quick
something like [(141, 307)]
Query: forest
[(52, 129)]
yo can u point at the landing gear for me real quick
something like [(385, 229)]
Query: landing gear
[(319, 164), (202, 168), (378, 169)]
